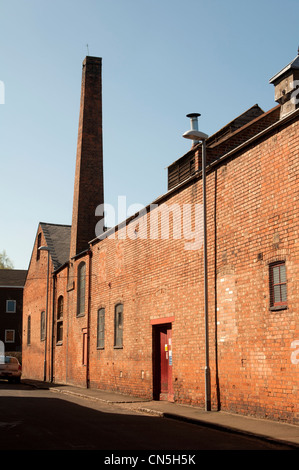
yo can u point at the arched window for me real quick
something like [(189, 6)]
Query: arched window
[(81, 288), (59, 319)]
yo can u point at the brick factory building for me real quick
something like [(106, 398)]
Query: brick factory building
[(123, 308)]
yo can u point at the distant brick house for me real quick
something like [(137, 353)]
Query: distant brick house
[(123, 309), (12, 283)]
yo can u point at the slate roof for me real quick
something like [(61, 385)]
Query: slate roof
[(58, 240), (12, 277)]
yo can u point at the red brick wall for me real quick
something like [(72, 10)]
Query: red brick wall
[(60, 349), (252, 197), (34, 302), (252, 221), (257, 223)]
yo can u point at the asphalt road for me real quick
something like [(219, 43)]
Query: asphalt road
[(33, 419)]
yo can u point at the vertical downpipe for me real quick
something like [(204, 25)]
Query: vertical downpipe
[(207, 366), (53, 332), (202, 137), (88, 319)]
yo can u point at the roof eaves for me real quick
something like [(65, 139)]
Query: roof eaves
[(294, 64)]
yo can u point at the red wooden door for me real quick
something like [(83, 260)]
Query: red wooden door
[(163, 366)]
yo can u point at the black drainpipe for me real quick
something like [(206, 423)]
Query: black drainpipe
[(88, 319), (52, 334)]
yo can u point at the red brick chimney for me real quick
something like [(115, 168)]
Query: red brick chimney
[(89, 184)]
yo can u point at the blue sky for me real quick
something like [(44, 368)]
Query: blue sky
[(162, 59)]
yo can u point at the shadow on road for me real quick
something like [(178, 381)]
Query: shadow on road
[(34, 422)]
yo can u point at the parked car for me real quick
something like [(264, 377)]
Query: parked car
[(10, 369)]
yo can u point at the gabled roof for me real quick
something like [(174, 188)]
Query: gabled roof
[(58, 241), (12, 277), (294, 64)]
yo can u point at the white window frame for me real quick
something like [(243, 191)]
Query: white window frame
[(15, 306), (14, 335)]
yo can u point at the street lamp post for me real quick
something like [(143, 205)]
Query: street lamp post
[(45, 248), (197, 136)]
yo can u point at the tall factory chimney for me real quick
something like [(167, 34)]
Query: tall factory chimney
[(89, 180)]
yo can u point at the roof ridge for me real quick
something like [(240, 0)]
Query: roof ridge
[(56, 225)]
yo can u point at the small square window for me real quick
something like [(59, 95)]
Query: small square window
[(11, 306), (9, 336)]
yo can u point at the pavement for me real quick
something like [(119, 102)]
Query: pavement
[(272, 431)]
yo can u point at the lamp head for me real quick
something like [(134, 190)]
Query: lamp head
[(195, 135)]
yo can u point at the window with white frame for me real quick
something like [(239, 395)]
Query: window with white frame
[(9, 336), (11, 306)]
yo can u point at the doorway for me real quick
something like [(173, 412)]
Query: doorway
[(162, 362)]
